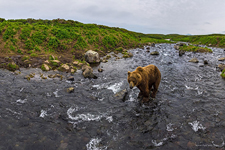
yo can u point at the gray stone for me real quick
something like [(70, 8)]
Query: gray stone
[(70, 90), (194, 60), (221, 67), (92, 57), (100, 70), (154, 53), (221, 59), (45, 67), (181, 52), (65, 66), (121, 95), (177, 47), (206, 62), (88, 72), (71, 78)]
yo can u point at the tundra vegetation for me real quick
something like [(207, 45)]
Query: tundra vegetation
[(30, 38)]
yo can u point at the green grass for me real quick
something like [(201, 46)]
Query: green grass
[(12, 66), (223, 74), (192, 48)]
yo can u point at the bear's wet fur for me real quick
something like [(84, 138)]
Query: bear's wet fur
[(146, 79)]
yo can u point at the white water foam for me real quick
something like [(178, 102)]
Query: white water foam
[(56, 93), (157, 144), (87, 116), (21, 101), (154, 142), (169, 127), (93, 144), (191, 88), (21, 89), (114, 87), (49, 95), (196, 126), (43, 113)]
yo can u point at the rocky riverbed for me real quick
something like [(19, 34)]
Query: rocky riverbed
[(102, 113)]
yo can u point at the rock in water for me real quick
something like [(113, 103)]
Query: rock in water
[(121, 95), (154, 53), (221, 59), (100, 70), (88, 72), (206, 62), (194, 60), (70, 90), (181, 52), (177, 47), (92, 57), (221, 67), (71, 78)]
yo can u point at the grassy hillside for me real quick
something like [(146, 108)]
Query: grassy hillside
[(35, 37), (30, 42)]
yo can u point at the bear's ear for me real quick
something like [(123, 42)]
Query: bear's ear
[(128, 73), (139, 69)]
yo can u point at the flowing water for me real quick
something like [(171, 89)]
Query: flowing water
[(187, 113)]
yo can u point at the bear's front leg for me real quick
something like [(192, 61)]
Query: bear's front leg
[(145, 99), (146, 95), (140, 95)]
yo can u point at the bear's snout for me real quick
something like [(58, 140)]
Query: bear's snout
[(131, 85)]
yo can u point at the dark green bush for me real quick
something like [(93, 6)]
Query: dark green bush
[(53, 42)]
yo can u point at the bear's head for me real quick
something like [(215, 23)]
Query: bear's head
[(134, 78)]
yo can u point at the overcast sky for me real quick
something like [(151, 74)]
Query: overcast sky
[(146, 16)]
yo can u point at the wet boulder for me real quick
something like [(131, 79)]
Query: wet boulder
[(221, 59), (70, 90), (100, 70), (92, 57), (154, 53), (71, 78), (206, 62), (221, 67), (181, 52), (88, 72), (177, 47), (121, 95), (194, 60), (181, 44)]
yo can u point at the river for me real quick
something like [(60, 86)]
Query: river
[(187, 113)]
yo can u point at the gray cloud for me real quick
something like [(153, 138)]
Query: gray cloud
[(147, 16)]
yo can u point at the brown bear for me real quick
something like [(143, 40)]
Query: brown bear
[(144, 78)]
